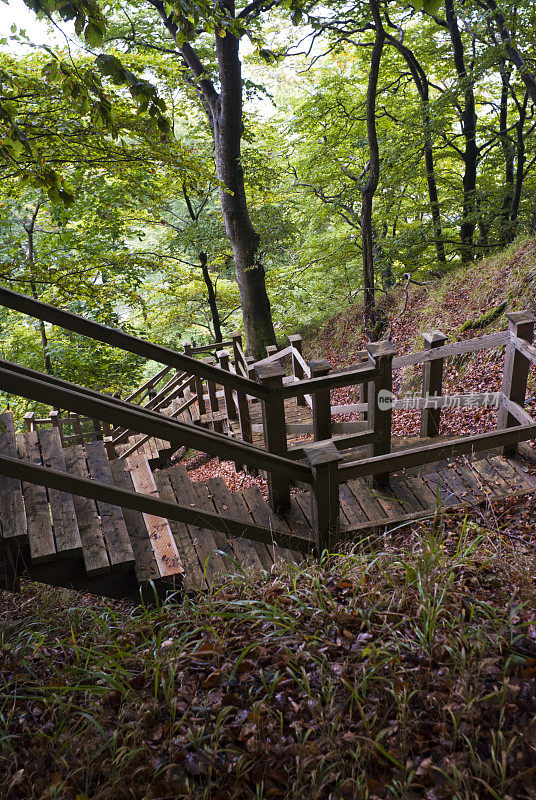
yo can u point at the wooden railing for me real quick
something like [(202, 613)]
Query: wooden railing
[(230, 379)]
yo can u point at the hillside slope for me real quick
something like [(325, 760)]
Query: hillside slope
[(405, 668)]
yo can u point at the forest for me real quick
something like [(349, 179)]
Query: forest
[(161, 174), (267, 400)]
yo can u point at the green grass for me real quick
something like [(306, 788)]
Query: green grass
[(399, 670)]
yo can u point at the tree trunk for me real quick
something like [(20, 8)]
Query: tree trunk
[(513, 53), (30, 230), (224, 112), (369, 302), (421, 82), (468, 123), (508, 150), (215, 314), (244, 239)]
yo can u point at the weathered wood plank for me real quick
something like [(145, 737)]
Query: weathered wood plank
[(94, 552), (263, 515), (193, 574), (165, 549), (227, 504), (491, 340), (211, 560), (145, 565), (13, 526), (40, 534), (66, 533), (120, 551)]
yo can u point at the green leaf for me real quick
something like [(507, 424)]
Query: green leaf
[(93, 34)]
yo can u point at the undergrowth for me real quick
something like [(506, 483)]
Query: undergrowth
[(401, 669)]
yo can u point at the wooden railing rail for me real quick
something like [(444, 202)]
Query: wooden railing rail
[(275, 357), (335, 380), (491, 340), (120, 435), (522, 346), (427, 454), (148, 385), (138, 445), (24, 382), (212, 347), (147, 504), (125, 341)]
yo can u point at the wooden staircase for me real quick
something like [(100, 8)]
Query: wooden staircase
[(75, 542)]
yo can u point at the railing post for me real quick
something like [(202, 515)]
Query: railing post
[(213, 399), (321, 401), (432, 383), (223, 359), (236, 338), (325, 510), (109, 446), (55, 419), (296, 341), (275, 432), (29, 421), (516, 370), (380, 403), (188, 352), (200, 391)]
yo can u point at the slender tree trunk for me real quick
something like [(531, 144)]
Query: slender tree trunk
[(30, 230), (369, 305), (513, 53), (421, 82), (508, 150), (244, 239), (224, 112), (215, 314), (468, 122)]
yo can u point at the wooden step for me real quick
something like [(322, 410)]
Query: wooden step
[(13, 527), (65, 526), (94, 553), (40, 534), (115, 532), (160, 534)]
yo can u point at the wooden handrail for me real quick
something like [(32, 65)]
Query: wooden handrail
[(147, 504), (125, 341), (45, 388), (148, 384), (335, 380), (286, 351), (206, 348), (528, 350), (416, 456), (487, 342)]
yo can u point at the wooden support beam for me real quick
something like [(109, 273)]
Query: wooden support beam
[(515, 371), (432, 383), (223, 360), (213, 400), (296, 343), (321, 401), (324, 461), (275, 435), (380, 404)]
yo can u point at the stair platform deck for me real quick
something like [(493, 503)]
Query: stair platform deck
[(71, 541)]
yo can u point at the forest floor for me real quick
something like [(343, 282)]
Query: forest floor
[(404, 668)]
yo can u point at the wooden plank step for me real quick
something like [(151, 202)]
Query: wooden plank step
[(40, 534), (94, 553), (66, 533), (230, 504), (165, 550), (120, 553), (13, 527), (213, 555), (193, 573), (145, 566), (263, 515)]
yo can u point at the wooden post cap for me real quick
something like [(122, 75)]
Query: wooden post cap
[(521, 317), (269, 371), (295, 338), (236, 335), (222, 354), (320, 367), (434, 337), (322, 453), (383, 349)]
